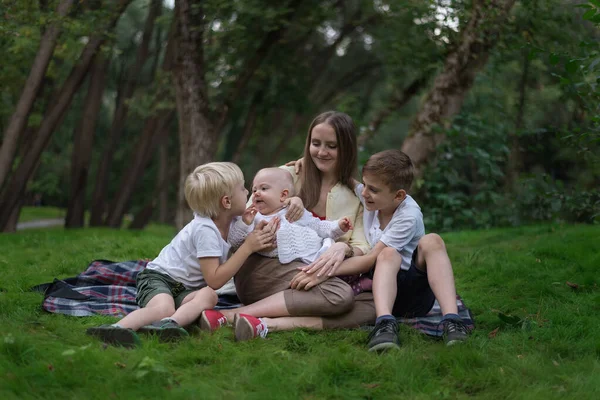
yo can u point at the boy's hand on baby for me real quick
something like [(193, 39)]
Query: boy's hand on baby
[(249, 214), (295, 209), (264, 235), (345, 224)]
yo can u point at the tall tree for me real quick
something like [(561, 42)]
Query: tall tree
[(18, 121), (197, 135), (99, 196), (83, 141), (15, 188), (451, 85)]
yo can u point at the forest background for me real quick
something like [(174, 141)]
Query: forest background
[(106, 106)]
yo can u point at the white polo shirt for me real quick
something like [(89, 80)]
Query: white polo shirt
[(402, 232)]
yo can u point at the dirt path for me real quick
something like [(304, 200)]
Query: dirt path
[(42, 223)]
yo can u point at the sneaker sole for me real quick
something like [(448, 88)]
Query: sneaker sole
[(243, 329), (119, 337), (381, 347), (171, 334), (454, 342), (204, 323)]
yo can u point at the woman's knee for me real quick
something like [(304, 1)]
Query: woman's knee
[(340, 295)]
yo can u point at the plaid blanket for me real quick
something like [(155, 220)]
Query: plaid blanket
[(430, 324), (108, 288), (104, 288)]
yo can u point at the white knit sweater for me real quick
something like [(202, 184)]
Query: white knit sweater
[(304, 240)]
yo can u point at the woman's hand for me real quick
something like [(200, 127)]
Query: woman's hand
[(296, 164), (295, 209), (304, 281), (328, 262)]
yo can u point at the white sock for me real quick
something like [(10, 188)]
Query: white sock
[(117, 326)]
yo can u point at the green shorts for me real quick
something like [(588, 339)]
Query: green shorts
[(150, 283)]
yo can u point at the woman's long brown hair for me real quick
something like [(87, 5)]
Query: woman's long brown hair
[(345, 134)]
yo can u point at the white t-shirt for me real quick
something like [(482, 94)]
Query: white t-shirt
[(402, 232), (179, 259)]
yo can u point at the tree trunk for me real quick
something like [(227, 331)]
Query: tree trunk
[(15, 187), (396, 103), (163, 193), (450, 87), (99, 198), (155, 131), (83, 141), (515, 161), (18, 120), (197, 136)]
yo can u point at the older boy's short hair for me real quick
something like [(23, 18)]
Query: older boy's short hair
[(205, 187), (393, 167)]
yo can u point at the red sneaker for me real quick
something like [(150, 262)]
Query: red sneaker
[(248, 327), (211, 320)]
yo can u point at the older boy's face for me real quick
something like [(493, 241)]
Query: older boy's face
[(378, 196), (267, 193)]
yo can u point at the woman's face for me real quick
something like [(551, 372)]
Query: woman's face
[(324, 147)]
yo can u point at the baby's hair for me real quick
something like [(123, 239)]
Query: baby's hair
[(393, 167), (205, 187), (284, 178)]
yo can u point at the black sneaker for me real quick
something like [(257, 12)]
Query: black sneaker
[(167, 331), (384, 336), (455, 332), (114, 335)]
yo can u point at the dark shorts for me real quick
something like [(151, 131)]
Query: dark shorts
[(150, 283), (415, 297)]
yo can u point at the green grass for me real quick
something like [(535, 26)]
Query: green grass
[(523, 272), (36, 213)]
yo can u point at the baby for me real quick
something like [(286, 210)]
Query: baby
[(305, 239)]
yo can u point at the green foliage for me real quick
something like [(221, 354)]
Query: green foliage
[(466, 177)]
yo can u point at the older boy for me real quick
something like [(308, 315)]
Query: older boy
[(411, 269)]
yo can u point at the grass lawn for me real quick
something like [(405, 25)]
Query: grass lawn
[(37, 213), (552, 353)]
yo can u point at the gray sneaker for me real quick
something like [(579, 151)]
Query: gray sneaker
[(455, 332), (114, 335), (167, 331), (384, 336)]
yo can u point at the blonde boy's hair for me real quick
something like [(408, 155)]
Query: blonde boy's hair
[(205, 187)]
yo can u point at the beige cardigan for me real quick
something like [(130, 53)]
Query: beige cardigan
[(342, 202)]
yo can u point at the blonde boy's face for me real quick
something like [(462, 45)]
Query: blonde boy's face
[(239, 198), (378, 196), (268, 195)]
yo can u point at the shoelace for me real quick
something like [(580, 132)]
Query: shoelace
[(386, 326), (455, 326)]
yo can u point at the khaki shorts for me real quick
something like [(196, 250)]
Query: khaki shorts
[(150, 283)]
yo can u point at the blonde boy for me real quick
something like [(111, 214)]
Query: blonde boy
[(180, 283)]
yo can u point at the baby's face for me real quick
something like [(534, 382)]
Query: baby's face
[(267, 193)]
